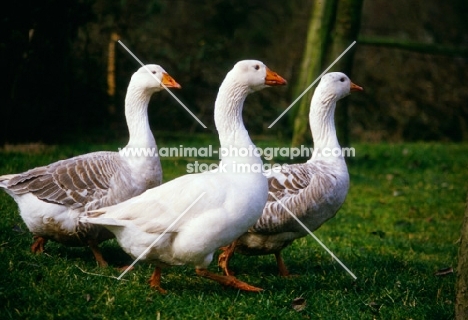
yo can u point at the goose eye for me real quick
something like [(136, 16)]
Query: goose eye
[(257, 67), (153, 72), (342, 79)]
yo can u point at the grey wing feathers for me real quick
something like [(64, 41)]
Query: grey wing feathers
[(73, 182), (293, 180), (302, 189)]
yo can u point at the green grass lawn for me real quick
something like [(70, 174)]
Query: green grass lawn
[(399, 226)]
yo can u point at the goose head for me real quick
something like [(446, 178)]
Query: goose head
[(152, 77), (337, 85), (332, 87), (254, 75)]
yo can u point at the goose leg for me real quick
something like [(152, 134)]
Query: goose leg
[(93, 245), (38, 245), (228, 281), (155, 280), (225, 256), (283, 271)]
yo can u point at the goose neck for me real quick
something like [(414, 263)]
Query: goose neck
[(322, 123), (228, 114), (229, 123), (136, 114)]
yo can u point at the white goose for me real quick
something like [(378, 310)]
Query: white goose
[(313, 191), (230, 202), (52, 197)]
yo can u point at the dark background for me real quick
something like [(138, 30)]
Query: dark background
[(54, 56)]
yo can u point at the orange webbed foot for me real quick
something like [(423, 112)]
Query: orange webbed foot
[(228, 281), (38, 245), (283, 271), (225, 256), (93, 245), (155, 281)]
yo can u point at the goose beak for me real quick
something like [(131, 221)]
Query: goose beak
[(355, 87), (273, 79), (169, 82)]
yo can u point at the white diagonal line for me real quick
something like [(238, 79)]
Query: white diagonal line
[(311, 85), (170, 92), (160, 236), (313, 236)]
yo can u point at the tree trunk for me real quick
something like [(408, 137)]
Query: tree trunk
[(340, 20), (347, 24), (461, 305), (312, 61)]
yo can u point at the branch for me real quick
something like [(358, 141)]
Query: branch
[(429, 48)]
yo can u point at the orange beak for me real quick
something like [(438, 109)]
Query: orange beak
[(355, 87), (169, 82), (273, 79)]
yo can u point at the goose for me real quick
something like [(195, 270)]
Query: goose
[(314, 191), (184, 221), (51, 198)]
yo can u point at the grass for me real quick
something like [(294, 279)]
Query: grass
[(399, 225)]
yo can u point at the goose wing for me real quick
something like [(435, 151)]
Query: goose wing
[(74, 182), (309, 191)]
